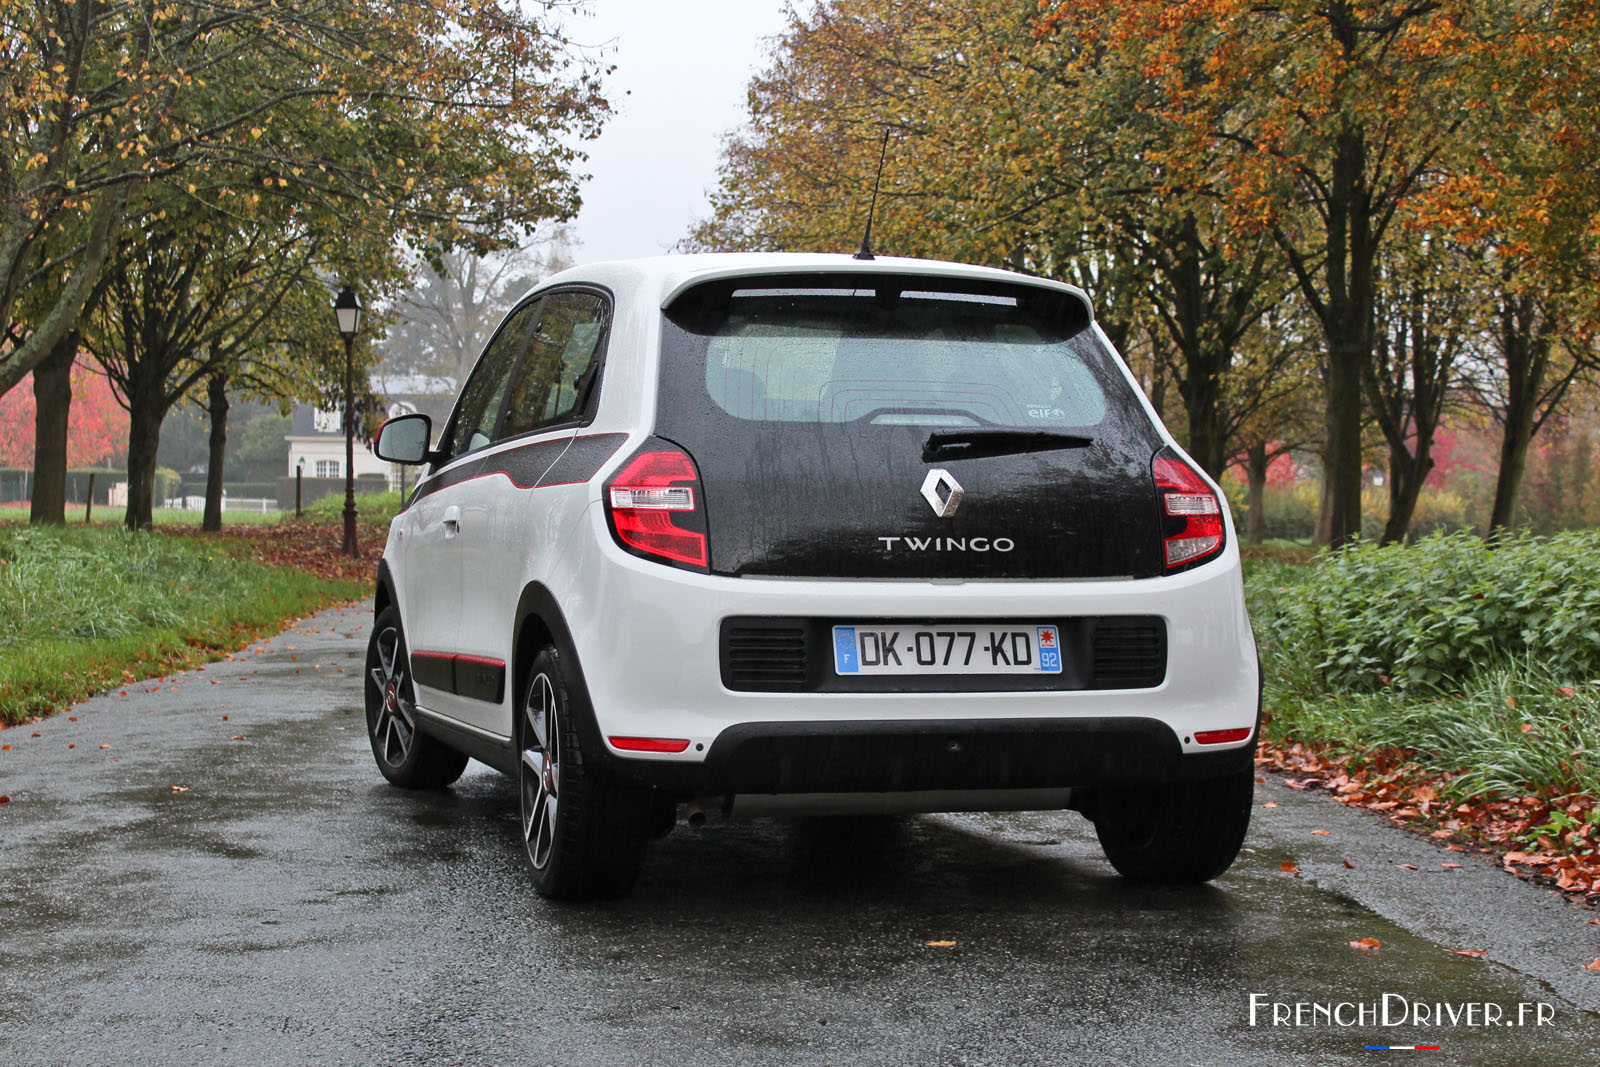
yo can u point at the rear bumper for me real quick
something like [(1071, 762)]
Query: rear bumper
[(648, 638), (935, 755)]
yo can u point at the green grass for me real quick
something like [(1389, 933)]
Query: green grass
[(106, 515), (84, 609), (1481, 663)]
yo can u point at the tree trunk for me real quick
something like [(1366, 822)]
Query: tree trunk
[(217, 405), (1525, 352), (1346, 318), (52, 396), (1255, 466), (1208, 440), (1513, 462), (1407, 475), (1347, 352), (144, 440)]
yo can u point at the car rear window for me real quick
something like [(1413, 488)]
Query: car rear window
[(899, 352)]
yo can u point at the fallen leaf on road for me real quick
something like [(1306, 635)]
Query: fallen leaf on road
[(1268, 804), (1475, 953), (1595, 966), (1451, 866), (36, 733), (72, 746), (1366, 944), (105, 746), (1407, 866), (1349, 865), (72, 718), (5, 800), (940, 944), (1321, 833), (180, 789), (1288, 868), (5, 748), (224, 718), (237, 737)]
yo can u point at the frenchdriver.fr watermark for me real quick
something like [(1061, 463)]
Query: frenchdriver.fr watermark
[(1391, 1010)]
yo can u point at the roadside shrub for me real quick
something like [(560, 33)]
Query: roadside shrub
[(1432, 614), (370, 507), (1290, 513)]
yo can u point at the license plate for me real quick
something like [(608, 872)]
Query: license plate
[(948, 648)]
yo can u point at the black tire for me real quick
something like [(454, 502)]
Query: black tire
[(405, 755), (1178, 834), (583, 834)]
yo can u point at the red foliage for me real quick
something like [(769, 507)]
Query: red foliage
[(97, 426), (1566, 860), (1460, 449)]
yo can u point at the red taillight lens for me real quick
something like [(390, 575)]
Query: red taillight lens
[(654, 506), (1194, 514)]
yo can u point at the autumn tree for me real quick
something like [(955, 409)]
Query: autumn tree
[(1033, 151), (445, 318), (1423, 322), (432, 123), (1527, 202)]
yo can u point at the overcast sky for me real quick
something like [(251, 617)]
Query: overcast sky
[(682, 67)]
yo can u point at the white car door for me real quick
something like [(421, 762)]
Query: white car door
[(510, 525), (435, 581)]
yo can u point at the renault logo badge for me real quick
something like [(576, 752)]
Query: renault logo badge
[(942, 492)]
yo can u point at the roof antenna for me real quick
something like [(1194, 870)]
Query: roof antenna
[(865, 251)]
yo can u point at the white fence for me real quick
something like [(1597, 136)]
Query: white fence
[(259, 504)]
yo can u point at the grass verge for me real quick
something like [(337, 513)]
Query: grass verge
[(1451, 685), (86, 609)]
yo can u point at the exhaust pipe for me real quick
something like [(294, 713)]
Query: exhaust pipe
[(696, 810)]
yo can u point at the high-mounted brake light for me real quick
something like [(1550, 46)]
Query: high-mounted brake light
[(1194, 527), (653, 504)]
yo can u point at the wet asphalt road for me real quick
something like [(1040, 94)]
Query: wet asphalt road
[(287, 906)]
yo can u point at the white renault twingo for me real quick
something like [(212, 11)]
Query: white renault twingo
[(789, 534)]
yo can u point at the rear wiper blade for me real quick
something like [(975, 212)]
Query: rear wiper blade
[(994, 441)]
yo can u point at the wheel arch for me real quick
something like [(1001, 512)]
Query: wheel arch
[(540, 622), (384, 596)]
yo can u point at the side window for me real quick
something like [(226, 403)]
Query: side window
[(563, 359), (480, 400)]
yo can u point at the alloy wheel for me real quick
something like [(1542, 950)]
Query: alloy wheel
[(540, 769), (394, 725)]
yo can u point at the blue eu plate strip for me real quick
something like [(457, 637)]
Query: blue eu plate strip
[(844, 650)]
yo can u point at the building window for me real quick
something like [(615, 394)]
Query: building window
[(327, 468)]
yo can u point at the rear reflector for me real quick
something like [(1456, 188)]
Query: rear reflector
[(649, 744), (653, 507), (1216, 737), (1186, 497)]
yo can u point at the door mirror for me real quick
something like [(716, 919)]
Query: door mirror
[(404, 439)]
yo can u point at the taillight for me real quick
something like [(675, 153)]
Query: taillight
[(655, 509), (1193, 514)]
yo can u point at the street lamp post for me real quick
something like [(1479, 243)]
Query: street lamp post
[(347, 309)]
